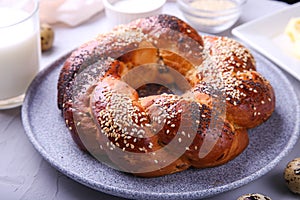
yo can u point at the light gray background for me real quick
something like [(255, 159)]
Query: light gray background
[(25, 175)]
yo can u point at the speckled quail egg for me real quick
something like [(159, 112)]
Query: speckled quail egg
[(47, 36), (254, 196), (292, 175)]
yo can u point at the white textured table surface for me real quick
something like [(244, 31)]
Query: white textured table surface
[(25, 175)]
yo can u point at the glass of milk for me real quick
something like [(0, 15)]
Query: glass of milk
[(19, 49)]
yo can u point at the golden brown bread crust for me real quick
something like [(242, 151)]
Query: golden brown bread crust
[(250, 99), (155, 29), (94, 110)]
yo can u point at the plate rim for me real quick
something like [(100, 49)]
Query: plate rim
[(108, 189)]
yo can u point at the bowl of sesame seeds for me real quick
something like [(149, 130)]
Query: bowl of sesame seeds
[(211, 16)]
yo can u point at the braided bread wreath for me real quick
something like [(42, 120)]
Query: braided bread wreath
[(154, 97)]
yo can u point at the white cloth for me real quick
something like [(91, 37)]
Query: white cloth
[(71, 12)]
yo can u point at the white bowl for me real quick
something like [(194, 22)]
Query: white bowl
[(124, 11)]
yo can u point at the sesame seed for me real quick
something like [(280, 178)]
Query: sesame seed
[(141, 132), (150, 145)]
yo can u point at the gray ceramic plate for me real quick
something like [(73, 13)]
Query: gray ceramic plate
[(269, 143)]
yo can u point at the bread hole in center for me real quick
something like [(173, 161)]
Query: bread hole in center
[(153, 89), (153, 71), (156, 79)]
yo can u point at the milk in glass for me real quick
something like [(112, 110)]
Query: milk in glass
[(19, 52)]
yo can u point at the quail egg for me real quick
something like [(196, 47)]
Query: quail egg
[(292, 175), (254, 196), (47, 36)]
